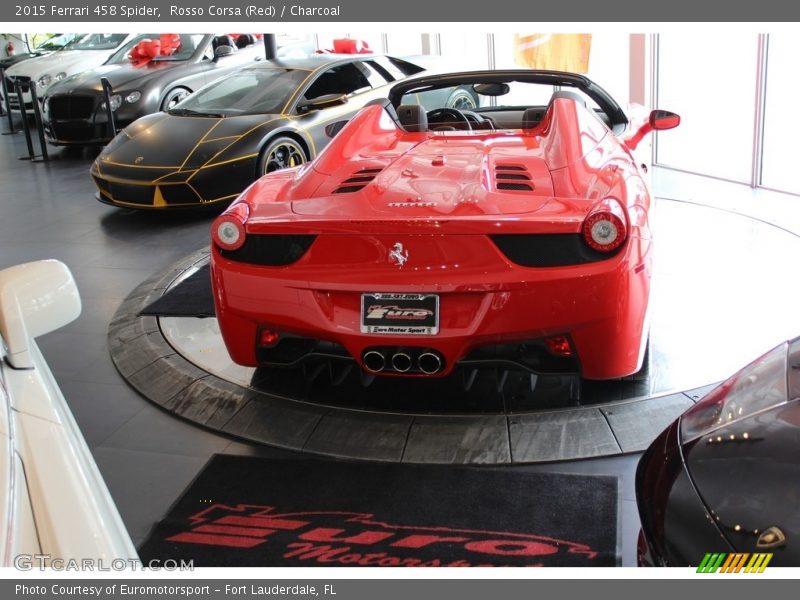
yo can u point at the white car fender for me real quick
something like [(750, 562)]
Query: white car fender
[(50, 480)]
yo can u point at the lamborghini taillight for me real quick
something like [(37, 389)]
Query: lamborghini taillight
[(604, 229)]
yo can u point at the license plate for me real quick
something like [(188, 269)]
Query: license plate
[(400, 314)]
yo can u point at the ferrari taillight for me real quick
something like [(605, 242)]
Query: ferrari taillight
[(228, 229), (229, 234), (604, 229)]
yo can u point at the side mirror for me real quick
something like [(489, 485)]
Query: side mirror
[(222, 51), (319, 102), (663, 119), (658, 120), (35, 298)]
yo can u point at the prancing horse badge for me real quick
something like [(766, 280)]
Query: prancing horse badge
[(398, 255)]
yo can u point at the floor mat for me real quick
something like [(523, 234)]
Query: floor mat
[(246, 511), (192, 297)]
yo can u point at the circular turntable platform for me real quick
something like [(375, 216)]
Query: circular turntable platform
[(721, 297)]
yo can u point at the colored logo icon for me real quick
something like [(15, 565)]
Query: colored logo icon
[(743, 562)]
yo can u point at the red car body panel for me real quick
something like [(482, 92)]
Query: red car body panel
[(437, 195)]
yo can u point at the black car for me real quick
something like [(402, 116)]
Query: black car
[(725, 477), (74, 110), (274, 115)]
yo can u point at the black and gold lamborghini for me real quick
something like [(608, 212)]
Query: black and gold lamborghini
[(210, 146)]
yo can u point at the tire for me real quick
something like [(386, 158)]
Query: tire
[(174, 96), (281, 153), (461, 100)]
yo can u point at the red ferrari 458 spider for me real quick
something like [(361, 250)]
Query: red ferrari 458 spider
[(512, 234)]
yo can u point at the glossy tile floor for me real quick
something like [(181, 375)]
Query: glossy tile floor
[(146, 455)]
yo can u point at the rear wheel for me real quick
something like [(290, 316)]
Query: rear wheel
[(461, 100), (281, 153), (174, 96)]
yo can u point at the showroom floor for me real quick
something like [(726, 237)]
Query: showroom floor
[(147, 455)]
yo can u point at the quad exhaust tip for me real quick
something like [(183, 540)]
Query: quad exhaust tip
[(374, 361), (429, 363), (401, 362)]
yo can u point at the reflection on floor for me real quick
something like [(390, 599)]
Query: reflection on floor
[(146, 455), (777, 208), (492, 416)]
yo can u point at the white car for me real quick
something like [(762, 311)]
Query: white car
[(91, 51), (53, 500)]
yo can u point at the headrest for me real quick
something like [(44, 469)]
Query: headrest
[(532, 117), (413, 118)]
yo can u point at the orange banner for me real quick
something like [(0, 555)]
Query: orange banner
[(554, 51)]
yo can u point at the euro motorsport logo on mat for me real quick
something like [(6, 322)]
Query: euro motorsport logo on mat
[(358, 539), (734, 563)]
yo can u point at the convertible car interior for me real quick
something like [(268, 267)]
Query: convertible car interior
[(502, 100), (415, 118)]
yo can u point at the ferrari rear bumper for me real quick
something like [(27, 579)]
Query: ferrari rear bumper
[(534, 356), (586, 319)]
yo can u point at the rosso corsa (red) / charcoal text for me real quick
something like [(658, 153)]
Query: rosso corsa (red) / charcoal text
[(215, 10)]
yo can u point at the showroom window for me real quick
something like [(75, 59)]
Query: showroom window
[(711, 81), (609, 62), (739, 133), (608, 59), (464, 52), (608, 55), (295, 45), (403, 44), (779, 158)]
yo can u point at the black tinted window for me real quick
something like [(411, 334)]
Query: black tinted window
[(341, 79), (263, 91)]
